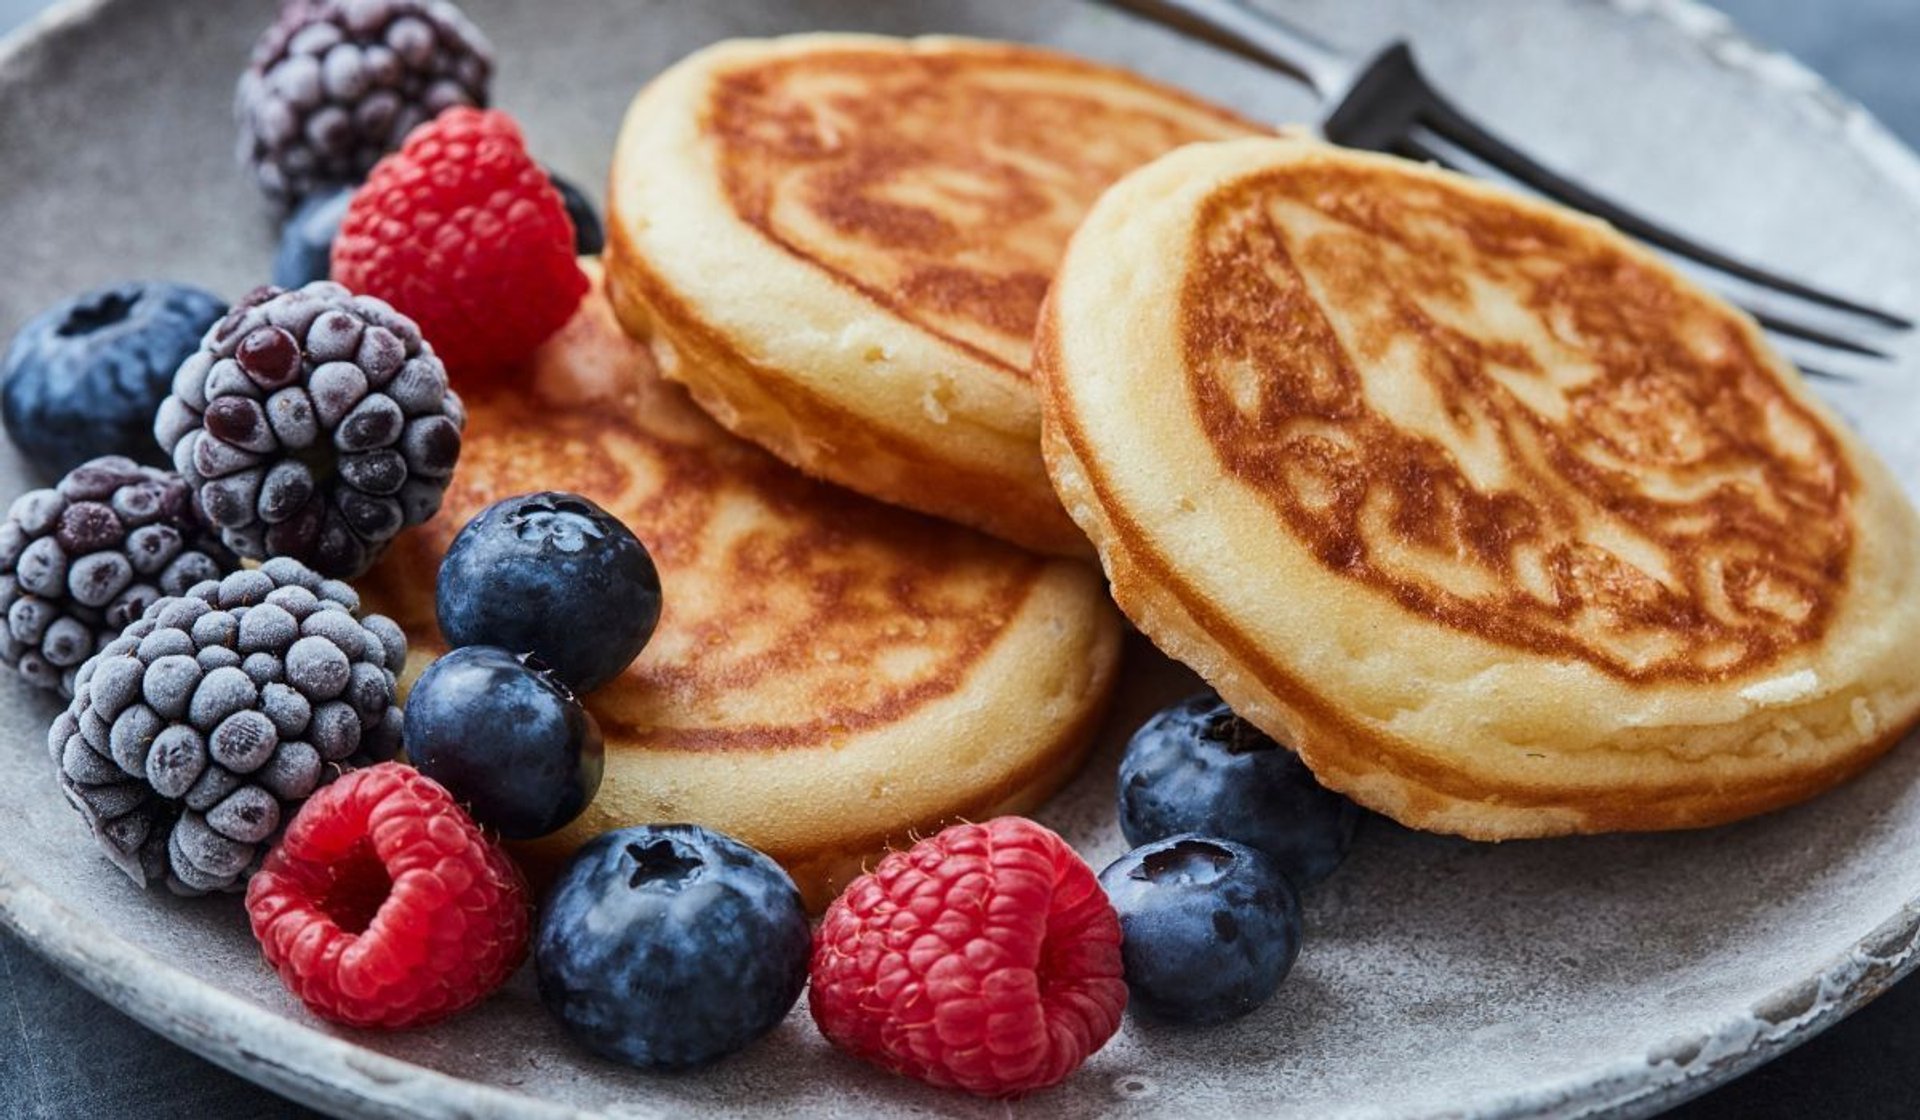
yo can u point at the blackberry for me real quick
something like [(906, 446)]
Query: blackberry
[(79, 562), (314, 424), (194, 734), (83, 377), (334, 85)]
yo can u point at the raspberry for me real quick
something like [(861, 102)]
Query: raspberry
[(464, 232), (385, 905), (986, 958)]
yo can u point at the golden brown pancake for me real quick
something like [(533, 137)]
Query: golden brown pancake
[(829, 674), (848, 238), (1507, 527)]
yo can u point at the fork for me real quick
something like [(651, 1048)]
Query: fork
[(1383, 102)]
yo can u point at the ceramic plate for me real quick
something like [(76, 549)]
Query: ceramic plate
[(1598, 976)]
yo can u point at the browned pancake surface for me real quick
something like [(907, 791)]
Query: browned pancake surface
[(943, 186), (1651, 501), (795, 612)]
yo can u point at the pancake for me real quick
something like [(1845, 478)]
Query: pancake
[(848, 239), (830, 675), (1507, 527)]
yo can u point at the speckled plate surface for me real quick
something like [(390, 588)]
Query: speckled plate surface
[(1608, 976)]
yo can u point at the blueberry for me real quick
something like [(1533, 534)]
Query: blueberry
[(1197, 767), (1208, 927), (556, 576), (588, 238), (306, 240), (506, 739), (670, 946), (84, 378)]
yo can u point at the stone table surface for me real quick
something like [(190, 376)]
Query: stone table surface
[(65, 1054)]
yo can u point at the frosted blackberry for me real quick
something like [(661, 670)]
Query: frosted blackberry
[(194, 734), (314, 424), (334, 85), (82, 560)]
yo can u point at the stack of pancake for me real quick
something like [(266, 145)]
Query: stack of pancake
[(1508, 529)]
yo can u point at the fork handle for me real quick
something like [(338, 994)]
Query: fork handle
[(1258, 35)]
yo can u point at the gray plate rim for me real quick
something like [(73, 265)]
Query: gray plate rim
[(335, 1074)]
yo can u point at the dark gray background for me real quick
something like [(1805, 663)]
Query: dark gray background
[(65, 1054)]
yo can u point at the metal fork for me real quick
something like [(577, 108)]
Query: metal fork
[(1384, 103)]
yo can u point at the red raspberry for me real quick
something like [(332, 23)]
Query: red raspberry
[(462, 231), (385, 906), (986, 958)]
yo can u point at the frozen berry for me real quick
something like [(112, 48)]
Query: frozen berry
[(506, 739), (83, 378), (1212, 927), (193, 735), (306, 238), (81, 561), (384, 906), (314, 424), (1198, 767), (985, 958), (553, 575), (588, 235), (333, 85), (498, 276), (669, 946)]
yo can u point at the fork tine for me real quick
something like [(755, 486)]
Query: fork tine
[(1379, 102), (1448, 122), (1779, 314), (1815, 360), (1817, 352), (1411, 147), (1794, 330)]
